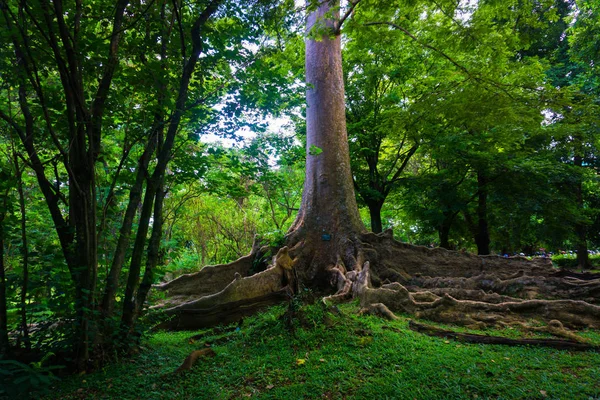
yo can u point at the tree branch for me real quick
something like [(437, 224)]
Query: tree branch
[(337, 26), (97, 109)]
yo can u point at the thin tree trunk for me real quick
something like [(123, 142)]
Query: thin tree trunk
[(24, 252), (129, 306), (444, 230), (482, 237), (165, 152), (375, 213), (583, 261), (135, 196), (4, 343), (153, 251)]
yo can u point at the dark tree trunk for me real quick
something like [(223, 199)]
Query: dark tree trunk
[(82, 213), (24, 252), (444, 230), (82, 125), (482, 235), (583, 261), (136, 259), (156, 180), (375, 213), (153, 251), (328, 216), (4, 344), (135, 196)]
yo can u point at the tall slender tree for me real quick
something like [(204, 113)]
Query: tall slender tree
[(79, 89)]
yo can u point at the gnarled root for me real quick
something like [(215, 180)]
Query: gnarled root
[(209, 280), (190, 360), (435, 284), (478, 313), (380, 310), (554, 328), (241, 297), (522, 286)]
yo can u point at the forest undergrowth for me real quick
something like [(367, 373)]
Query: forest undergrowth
[(307, 351)]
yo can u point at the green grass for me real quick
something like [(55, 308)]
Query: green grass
[(339, 356)]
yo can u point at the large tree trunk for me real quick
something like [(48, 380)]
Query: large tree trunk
[(328, 218)]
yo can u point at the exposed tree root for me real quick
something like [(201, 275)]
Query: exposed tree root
[(393, 261), (474, 338), (380, 310), (585, 276), (523, 286), (434, 284), (241, 297), (190, 360), (555, 328), (209, 280), (432, 294), (477, 313)]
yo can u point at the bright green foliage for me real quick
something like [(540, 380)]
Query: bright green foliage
[(244, 192), (569, 261), (468, 86), (104, 102), (385, 115)]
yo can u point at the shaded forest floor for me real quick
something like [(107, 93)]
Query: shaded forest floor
[(311, 353)]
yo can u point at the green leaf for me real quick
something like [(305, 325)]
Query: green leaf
[(314, 150)]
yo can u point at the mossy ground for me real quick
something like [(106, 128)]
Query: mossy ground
[(335, 356)]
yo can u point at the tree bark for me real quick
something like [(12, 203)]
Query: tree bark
[(328, 216), (328, 201)]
